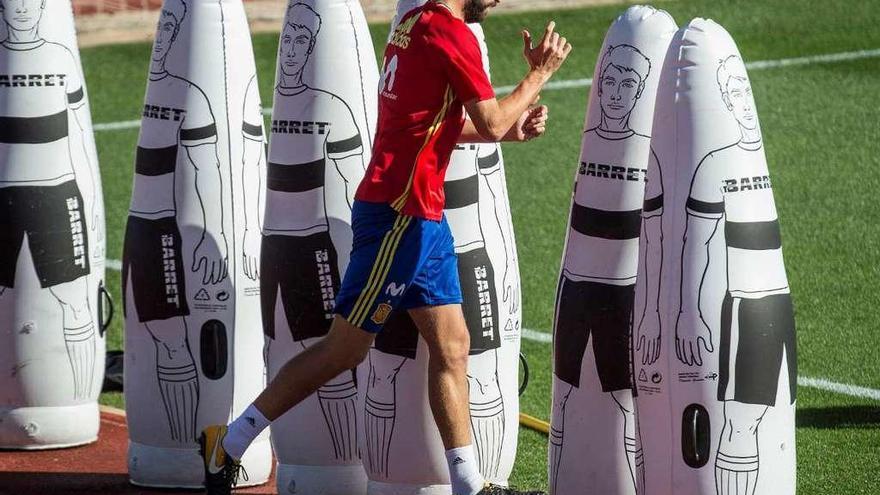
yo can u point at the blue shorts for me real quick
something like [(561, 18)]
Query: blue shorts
[(397, 262)]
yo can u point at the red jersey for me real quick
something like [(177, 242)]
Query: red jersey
[(432, 64)]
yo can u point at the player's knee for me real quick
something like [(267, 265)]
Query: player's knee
[(451, 353)]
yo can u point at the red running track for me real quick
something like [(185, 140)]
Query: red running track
[(97, 468)]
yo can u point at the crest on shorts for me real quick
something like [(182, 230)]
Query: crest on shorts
[(381, 314)]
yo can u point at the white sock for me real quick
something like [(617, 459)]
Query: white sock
[(243, 431), (464, 472)]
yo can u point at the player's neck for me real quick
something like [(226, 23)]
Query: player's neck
[(751, 138), (157, 69), (453, 6), (615, 125), (21, 37), (291, 82)]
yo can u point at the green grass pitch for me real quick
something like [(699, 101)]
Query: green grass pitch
[(821, 129)]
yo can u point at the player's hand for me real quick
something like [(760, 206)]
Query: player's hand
[(531, 124), (213, 265), (549, 55), (648, 337), (511, 294), (249, 256), (687, 347)]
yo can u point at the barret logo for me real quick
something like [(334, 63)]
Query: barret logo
[(383, 311)]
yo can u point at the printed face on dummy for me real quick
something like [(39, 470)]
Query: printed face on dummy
[(619, 91), (296, 45), (22, 15), (165, 34), (741, 102), (477, 10)]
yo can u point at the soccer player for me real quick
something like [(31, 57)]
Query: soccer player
[(731, 192), (178, 127), (597, 285), (403, 255), (42, 93)]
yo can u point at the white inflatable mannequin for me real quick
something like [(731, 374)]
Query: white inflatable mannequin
[(51, 234), (193, 344), (323, 121), (403, 451), (594, 441), (719, 395)]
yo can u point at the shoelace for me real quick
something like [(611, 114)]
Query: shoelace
[(232, 474)]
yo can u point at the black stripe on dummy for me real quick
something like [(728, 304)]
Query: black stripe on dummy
[(753, 235), (653, 204), (345, 145), (252, 130), (155, 161), (489, 162), (606, 224), (697, 206), (33, 130), (198, 133), (296, 178), (75, 97), (462, 192)]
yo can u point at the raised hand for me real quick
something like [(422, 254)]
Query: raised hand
[(550, 53)]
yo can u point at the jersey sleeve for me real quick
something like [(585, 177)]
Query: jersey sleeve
[(489, 158), (344, 139), (73, 81), (198, 125), (653, 205), (460, 59), (252, 122), (706, 199)]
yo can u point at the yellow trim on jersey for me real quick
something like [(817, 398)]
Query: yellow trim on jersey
[(380, 270), (399, 203)]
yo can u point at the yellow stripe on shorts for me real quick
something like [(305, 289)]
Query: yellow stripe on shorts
[(380, 270)]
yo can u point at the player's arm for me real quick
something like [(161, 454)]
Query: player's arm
[(698, 234), (253, 161), (489, 167), (206, 165), (494, 120), (346, 148), (648, 326), (79, 140)]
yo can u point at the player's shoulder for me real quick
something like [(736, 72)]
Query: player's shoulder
[(58, 50), (442, 28), (719, 156)]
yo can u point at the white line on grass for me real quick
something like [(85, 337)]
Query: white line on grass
[(583, 83)]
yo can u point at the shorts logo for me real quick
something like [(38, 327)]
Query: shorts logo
[(325, 279), (172, 296), (76, 232), (394, 289), (383, 311), (487, 324)]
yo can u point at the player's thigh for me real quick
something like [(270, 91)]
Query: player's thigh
[(444, 330)]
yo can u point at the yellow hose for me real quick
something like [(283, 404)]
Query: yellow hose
[(534, 423)]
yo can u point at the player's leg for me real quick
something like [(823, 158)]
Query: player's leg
[(631, 443), (444, 330), (571, 333), (487, 411), (736, 465), (557, 431), (79, 333), (338, 401), (395, 345), (343, 349), (380, 411), (177, 374), (477, 281)]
